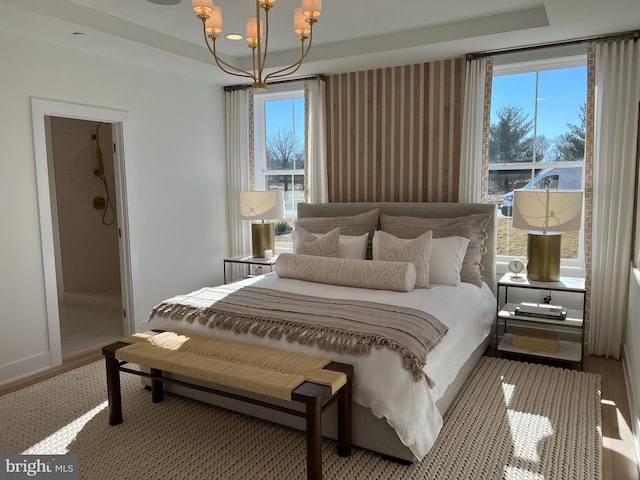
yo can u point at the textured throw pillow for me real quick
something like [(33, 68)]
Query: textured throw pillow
[(447, 255), (348, 272), (472, 227), (351, 225), (308, 244), (350, 246), (417, 251)]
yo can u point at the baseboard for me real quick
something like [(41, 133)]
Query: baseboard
[(25, 367), (631, 399), (67, 364)]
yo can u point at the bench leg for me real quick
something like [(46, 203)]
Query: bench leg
[(157, 389), (314, 439), (113, 391), (344, 421)]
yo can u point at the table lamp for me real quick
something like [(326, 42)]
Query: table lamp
[(547, 212), (262, 206)]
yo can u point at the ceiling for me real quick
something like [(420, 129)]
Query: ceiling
[(351, 35)]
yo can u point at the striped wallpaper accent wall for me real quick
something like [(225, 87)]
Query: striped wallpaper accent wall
[(393, 134)]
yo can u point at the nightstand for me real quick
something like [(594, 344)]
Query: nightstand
[(250, 262), (572, 325)]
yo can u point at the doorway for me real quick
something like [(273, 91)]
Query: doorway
[(85, 233), (79, 155)]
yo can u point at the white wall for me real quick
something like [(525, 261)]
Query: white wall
[(175, 172), (631, 357)]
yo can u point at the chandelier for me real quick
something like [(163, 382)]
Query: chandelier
[(303, 19)]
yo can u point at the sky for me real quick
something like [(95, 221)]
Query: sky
[(281, 114), (561, 92)]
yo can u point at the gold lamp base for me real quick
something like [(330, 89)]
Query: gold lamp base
[(262, 238), (543, 264)]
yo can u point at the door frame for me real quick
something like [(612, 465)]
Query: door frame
[(41, 109)]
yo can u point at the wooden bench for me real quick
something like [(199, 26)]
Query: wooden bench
[(315, 397)]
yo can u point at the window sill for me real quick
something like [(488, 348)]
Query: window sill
[(565, 270)]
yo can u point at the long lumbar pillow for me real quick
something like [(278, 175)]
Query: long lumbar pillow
[(348, 272)]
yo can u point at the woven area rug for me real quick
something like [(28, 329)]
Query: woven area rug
[(512, 420)]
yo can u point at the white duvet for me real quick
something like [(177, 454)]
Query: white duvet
[(380, 382)]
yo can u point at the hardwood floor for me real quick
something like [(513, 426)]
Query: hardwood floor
[(618, 446)]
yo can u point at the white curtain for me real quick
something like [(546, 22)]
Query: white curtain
[(471, 168), (316, 140), (237, 123), (617, 77)]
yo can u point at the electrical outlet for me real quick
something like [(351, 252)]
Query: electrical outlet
[(257, 270)]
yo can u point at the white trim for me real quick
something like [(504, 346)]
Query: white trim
[(124, 248), (25, 367), (540, 65), (546, 58), (631, 400), (40, 109), (259, 99), (529, 62)]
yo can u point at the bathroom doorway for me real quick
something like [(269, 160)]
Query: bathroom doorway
[(79, 152), (84, 213)]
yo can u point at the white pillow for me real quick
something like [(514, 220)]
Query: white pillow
[(308, 244), (447, 254), (415, 250), (445, 263), (350, 246)]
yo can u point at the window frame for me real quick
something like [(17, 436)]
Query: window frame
[(568, 267), (260, 172)]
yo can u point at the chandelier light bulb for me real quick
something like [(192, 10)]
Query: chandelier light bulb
[(300, 25), (312, 8), (202, 7), (213, 24), (251, 34)]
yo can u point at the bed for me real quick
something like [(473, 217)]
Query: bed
[(395, 413)]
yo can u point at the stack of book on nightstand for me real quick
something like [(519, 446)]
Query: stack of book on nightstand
[(541, 310)]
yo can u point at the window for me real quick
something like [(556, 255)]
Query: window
[(536, 137), (280, 153)]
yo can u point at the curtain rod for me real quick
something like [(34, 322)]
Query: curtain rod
[(604, 38), (232, 88)]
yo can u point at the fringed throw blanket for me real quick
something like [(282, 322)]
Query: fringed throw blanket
[(345, 326)]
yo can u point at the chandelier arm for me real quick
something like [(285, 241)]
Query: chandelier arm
[(230, 69), (294, 67), (263, 60), (256, 74), (221, 63)]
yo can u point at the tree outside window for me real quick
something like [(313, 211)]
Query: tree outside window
[(537, 129)]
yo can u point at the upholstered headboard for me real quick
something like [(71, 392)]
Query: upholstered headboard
[(417, 209)]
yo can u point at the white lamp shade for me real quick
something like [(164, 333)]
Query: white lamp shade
[(553, 210), (262, 205), (300, 25), (202, 7), (312, 8), (213, 24), (251, 32)]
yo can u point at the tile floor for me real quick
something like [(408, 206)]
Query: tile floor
[(83, 328)]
